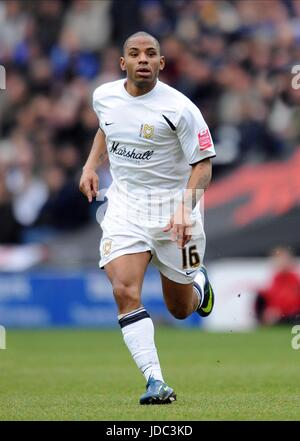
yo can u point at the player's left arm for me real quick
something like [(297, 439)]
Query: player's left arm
[(198, 182), (180, 224), (198, 147)]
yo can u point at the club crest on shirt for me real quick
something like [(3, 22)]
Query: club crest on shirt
[(107, 247), (147, 131)]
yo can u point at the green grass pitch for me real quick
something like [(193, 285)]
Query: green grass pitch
[(89, 375)]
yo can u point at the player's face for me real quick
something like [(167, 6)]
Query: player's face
[(142, 61)]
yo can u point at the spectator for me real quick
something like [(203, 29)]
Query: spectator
[(10, 229), (13, 22), (280, 301), (90, 23), (65, 208), (29, 192)]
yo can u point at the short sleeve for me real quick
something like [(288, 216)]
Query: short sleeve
[(194, 135), (97, 107)]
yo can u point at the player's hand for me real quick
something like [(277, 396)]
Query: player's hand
[(180, 226), (89, 183)]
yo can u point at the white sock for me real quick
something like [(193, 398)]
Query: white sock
[(200, 280), (138, 332)]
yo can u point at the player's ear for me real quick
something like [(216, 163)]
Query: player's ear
[(122, 63), (162, 63)]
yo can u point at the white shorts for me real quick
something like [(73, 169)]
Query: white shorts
[(121, 237)]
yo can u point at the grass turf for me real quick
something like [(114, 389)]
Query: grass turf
[(89, 375)]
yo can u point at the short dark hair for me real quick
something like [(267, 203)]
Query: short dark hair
[(141, 34)]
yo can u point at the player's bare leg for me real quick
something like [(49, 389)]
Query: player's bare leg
[(181, 299), (184, 299), (126, 274)]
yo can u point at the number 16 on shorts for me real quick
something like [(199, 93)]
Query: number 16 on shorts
[(190, 257)]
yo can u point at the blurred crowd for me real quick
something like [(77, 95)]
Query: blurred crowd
[(232, 58)]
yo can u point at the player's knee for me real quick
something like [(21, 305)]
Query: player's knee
[(126, 295), (179, 313)]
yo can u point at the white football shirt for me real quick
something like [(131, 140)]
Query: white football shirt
[(152, 141)]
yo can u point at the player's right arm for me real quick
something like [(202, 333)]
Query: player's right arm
[(89, 180)]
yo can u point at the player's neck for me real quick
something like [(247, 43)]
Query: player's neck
[(135, 90)]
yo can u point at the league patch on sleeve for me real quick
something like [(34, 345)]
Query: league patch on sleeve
[(204, 139)]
